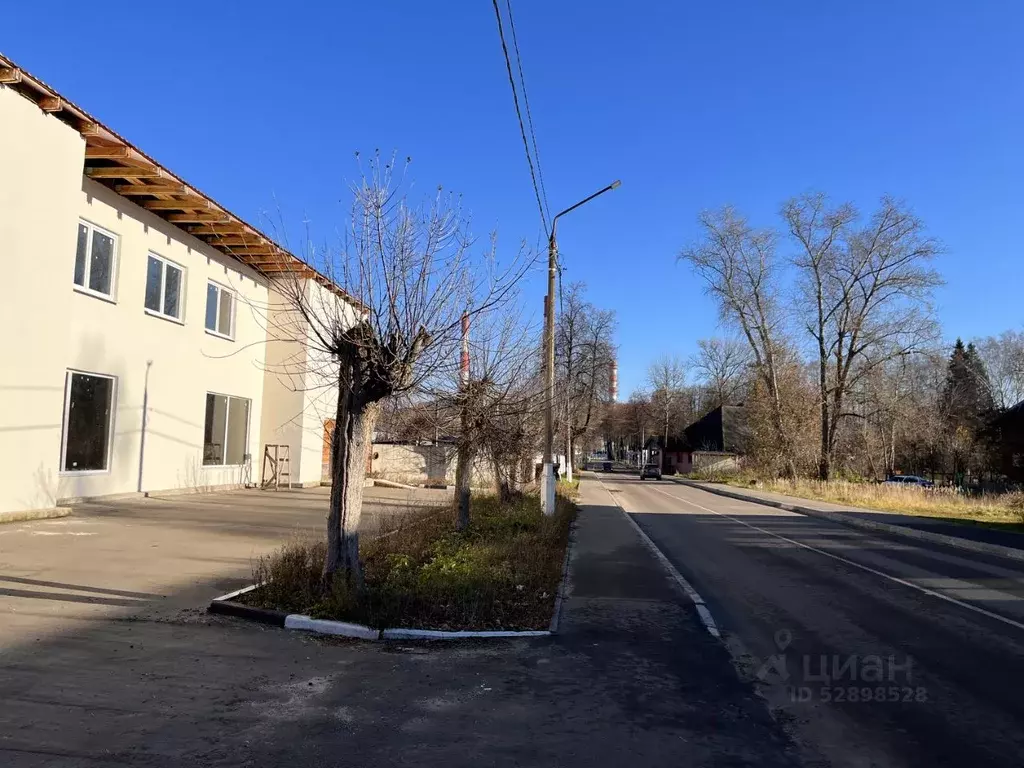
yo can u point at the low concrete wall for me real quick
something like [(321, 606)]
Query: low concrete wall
[(708, 460), (416, 464)]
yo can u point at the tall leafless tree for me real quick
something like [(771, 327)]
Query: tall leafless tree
[(667, 379), (492, 389), (866, 293), (409, 270), (1003, 356), (740, 270), (722, 366), (584, 354)]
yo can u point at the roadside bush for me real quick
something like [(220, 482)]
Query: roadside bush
[(1015, 501)]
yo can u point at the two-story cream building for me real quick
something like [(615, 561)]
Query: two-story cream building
[(145, 343)]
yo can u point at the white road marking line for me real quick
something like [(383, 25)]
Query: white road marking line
[(702, 610), (874, 571)]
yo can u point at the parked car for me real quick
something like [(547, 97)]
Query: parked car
[(607, 466), (920, 482), (650, 470)]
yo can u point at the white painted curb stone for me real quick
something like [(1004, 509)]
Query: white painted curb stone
[(323, 627), (236, 593)]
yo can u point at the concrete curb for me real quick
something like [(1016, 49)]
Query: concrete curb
[(876, 526), (225, 605), (563, 584), (236, 593), (297, 621), (27, 515), (378, 482), (435, 634), (324, 627)]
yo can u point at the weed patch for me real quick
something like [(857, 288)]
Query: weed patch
[(987, 509), (501, 573)]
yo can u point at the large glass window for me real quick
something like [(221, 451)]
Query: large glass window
[(94, 260), (88, 410), (220, 310), (163, 287), (226, 431)]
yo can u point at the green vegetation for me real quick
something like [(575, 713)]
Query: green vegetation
[(501, 573), (570, 488)]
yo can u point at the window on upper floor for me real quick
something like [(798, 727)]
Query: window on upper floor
[(165, 287), (220, 310), (95, 260)]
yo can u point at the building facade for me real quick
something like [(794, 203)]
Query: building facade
[(148, 339)]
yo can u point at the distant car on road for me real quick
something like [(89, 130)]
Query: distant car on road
[(920, 482), (650, 470), (607, 466)]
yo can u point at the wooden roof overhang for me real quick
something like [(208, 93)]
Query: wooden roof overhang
[(113, 161)]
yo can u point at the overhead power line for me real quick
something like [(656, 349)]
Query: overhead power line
[(526, 102), (519, 116)]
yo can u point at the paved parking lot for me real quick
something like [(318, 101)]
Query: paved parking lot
[(155, 557)]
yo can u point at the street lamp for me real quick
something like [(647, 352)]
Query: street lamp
[(547, 479)]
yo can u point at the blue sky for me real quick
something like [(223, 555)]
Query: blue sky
[(692, 105)]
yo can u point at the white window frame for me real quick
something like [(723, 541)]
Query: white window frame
[(221, 289), (227, 428), (115, 258), (110, 424), (164, 263)]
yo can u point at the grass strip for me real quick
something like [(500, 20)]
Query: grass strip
[(502, 573)]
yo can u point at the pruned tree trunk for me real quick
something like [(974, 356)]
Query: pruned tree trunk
[(825, 456), (463, 478), (782, 434), (505, 480), (353, 430)]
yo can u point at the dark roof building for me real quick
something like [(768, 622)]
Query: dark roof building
[(1008, 433), (723, 430)]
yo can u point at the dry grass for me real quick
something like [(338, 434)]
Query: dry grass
[(502, 573), (987, 509)]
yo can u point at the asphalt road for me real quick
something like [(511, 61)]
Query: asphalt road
[(871, 651), (108, 658)]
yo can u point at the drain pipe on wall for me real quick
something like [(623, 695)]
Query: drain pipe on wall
[(145, 415)]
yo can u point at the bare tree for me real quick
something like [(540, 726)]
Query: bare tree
[(667, 379), (739, 268), (513, 432), (722, 366), (866, 293), (409, 271), (583, 358), (498, 353), (1003, 356), (636, 420)]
